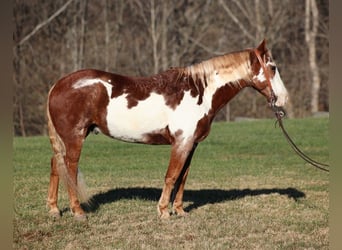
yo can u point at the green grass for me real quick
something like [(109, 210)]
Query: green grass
[(246, 190)]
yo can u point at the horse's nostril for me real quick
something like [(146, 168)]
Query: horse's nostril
[(280, 111)]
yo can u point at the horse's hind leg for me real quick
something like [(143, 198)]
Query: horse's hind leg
[(73, 152), (53, 189), (65, 167)]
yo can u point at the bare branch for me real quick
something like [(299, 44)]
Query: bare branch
[(42, 24), (236, 20), (243, 10), (201, 45)]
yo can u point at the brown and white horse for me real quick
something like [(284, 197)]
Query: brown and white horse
[(174, 107)]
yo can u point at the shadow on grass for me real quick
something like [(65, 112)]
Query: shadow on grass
[(197, 198)]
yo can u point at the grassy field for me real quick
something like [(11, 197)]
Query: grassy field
[(246, 190)]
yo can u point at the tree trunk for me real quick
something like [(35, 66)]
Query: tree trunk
[(116, 33), (154, 37), (311, 24), (84, 5), (21, 120), (227, 112), (164, 31), (107, 35)]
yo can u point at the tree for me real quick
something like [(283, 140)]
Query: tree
[(135, 37), (311, 26)]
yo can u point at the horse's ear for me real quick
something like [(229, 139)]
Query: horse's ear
[(262, 47)]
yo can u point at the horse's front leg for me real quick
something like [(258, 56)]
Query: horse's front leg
[(179, 156), (178, 191)]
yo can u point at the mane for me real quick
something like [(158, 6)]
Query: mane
[(236, 63)]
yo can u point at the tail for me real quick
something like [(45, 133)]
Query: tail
[(59, 150)]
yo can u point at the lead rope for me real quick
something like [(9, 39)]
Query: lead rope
[(279, 115)]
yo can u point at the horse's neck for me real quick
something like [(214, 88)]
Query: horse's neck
[(222, 77), (224, 84), (213, 83), (224, 94)]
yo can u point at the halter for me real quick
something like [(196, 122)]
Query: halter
[(267, 76), (280, 113)]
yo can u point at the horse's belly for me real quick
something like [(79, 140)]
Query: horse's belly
[(132, 124)]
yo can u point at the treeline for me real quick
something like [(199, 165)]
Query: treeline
[(143, 37)]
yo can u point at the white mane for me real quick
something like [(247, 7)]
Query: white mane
[(228, 68)]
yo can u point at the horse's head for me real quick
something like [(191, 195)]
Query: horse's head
[(266, 78)]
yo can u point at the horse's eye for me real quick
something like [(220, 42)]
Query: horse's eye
[(273, 68)]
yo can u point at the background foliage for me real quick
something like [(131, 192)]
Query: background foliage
[(55, 37)]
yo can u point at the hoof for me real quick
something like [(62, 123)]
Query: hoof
[(179, 211), (80, 217), (55, 213), (164, 216), (163, 213), (182, 213)]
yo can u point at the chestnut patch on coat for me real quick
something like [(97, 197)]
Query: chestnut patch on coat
[(257, 68), (203, 128), (79, 109), (223, 95), (162, 136), (171, 84)]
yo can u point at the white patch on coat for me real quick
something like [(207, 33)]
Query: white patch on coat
[(261, 76), (279, 89), (84, 82), (277, 85), (187, 115), (222, 77), (152, 114), (130, 124)]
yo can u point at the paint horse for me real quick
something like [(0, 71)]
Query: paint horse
[(175, 107)]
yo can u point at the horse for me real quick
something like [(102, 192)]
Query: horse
[(175, 107)]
